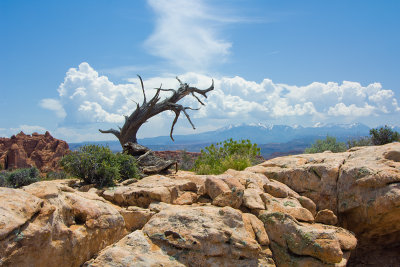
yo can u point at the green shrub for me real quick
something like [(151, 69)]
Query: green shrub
[(329, 143), (98, 165), (56, 175), (360, 141), (383, 135), (186, 162), (127, 166), (230, 154), (22, 177), (3, 179)]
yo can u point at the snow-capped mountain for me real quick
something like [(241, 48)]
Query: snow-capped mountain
[(263, 134), (273, 139)]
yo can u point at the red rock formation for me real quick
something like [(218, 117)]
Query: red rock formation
[(40, 150)]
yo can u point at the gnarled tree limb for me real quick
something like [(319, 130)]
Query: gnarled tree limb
[(128, 132)]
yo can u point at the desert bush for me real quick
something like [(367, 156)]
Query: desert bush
[(98, 165), (329, 143), (383, 135), (22, 177), (127, 166), (230, 154), (360, 141), (186, 162), (56, 175), (3, 179)]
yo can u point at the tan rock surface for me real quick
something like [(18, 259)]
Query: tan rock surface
[(17, 208), (67, 230), (289, 205), (361, 187), (326, 217), (369, 194), (312, 175), (134, 250), (206, 236), (135, 217), (325, 244), (149, 189)]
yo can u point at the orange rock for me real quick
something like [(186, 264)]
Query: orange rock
[(23, 151)]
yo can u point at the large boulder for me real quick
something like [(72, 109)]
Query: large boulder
[(311, 175), (39, 150), (302, 244), (149, 189), (51, 224), (134, 250), (361, 187), (209, 236)]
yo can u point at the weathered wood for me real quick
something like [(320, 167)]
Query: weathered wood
[(153, 107)]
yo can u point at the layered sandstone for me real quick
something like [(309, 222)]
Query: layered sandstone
[(39, 150)]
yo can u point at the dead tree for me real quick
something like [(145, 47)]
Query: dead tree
[(153, 107)]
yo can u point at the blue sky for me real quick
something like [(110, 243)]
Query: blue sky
[(70, 66)]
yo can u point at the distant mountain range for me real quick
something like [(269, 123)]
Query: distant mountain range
[(274, 140)]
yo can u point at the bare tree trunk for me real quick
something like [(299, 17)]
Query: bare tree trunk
[(153, 107)]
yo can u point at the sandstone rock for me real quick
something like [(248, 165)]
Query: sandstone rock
[(255, 228), (199, 180), (252, 199), (16, 158), (249, 179), (232, 199), (134, 250), (187, 198), (66, 230), (361, 187), (221, 194), (325, 244), (284, 258), (135, 218), (326, 217), (23, 151), (308, 204), (312, 175), (149, 189), (214, 187), (278, 189), (232, 181), (17, 208), (209, 236), (289, 205), (369, 195)]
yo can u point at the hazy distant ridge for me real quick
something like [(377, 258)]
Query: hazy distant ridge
[(275, 139)]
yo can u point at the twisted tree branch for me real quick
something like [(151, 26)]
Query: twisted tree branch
[(148, 109)]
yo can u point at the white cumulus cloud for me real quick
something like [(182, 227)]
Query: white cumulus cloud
[(86, 98)]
